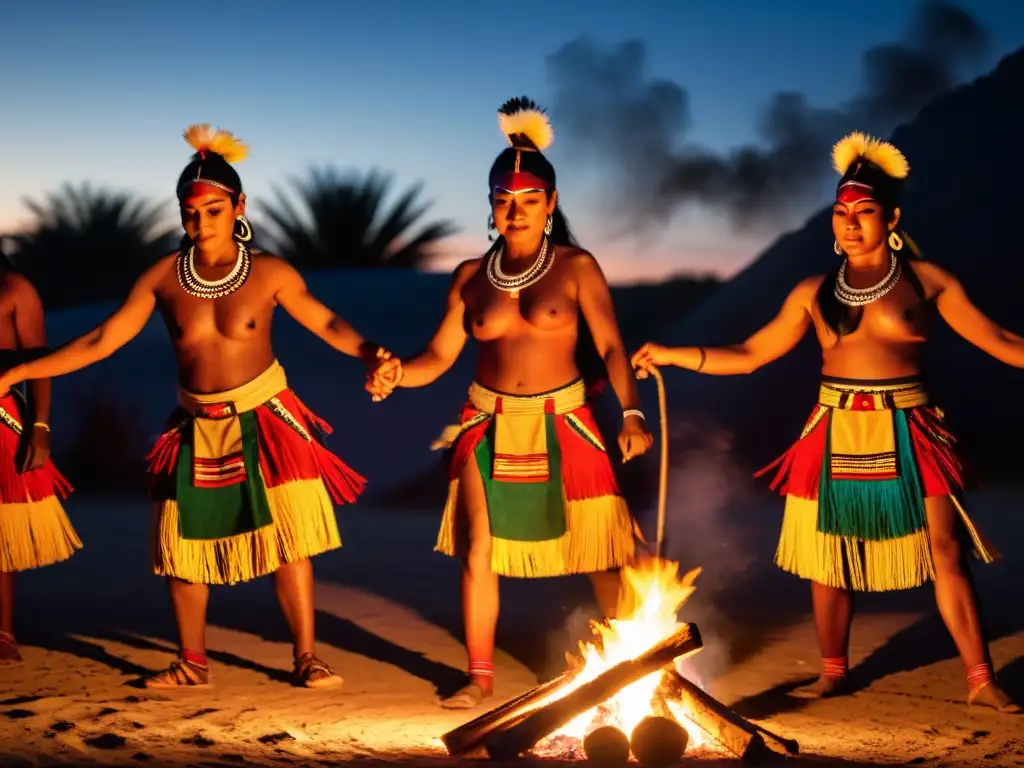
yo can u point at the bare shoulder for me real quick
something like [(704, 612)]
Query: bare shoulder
[(159, 269), (806, 291), (276, 270), (17, 287), (934, 279), (575, 256), (465, 271)]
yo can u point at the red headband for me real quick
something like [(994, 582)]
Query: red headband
[(854, 192)]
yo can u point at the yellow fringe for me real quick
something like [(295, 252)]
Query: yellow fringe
[(304, 525), (35, 534), (863, 566), (601, 535)]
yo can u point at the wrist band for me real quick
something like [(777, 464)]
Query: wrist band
[(633, 412), (42, 425)]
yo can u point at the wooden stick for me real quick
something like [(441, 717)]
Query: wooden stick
[(522, 736), (471, 736), (741, 737), (663, 467)]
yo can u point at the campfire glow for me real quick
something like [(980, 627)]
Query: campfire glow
[(650, 601)]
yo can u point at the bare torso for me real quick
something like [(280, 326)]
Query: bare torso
[(887, 342), (220, 343), (8, 332), (527, 344)]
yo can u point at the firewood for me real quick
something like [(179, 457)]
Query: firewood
[(741, 737), (471, 736), (658, 741), (521, 737), (607, 747)]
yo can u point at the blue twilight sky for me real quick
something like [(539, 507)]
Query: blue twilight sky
[(101, 91)]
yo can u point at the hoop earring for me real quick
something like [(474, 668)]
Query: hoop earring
[(491, 228), (243, 232), (895, 241), (836, 248), (550, 225)]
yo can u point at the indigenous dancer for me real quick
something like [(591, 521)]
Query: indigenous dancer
[(34, 530), (241, 483), (532, 492), (873, 485)]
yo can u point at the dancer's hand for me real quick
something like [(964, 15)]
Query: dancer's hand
[(384, 378), (38, 449), (649, 356), (634, 439)]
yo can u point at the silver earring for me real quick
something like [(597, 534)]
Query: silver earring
[(836, 248), (549, 226)]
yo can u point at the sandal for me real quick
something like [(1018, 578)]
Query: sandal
[(9, 653), (825, 687), (991, 695), (181, 674), (313, 672), (467, 697)]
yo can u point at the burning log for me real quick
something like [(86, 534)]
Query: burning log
[(658, 741), (739, 736), (607, 747), (471, 736), (522, 736)]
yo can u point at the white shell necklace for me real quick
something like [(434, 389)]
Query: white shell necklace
[(513, 284), (194, 285), (858, 297)]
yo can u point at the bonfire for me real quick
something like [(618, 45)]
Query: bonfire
[(626, 690)]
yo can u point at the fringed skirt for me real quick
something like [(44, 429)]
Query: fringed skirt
[(552, 499), (242, 484), (855, 484), (34, 529)]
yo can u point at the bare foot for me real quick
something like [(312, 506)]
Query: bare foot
[(824, 687), (991, 695)]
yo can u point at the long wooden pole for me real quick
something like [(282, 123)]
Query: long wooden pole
[(663, 469)]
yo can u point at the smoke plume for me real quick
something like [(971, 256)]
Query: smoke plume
[(608, 108)]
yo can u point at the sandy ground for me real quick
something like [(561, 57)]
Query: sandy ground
[(388, 621)]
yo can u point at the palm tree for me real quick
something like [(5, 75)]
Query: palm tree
[(343, 222), (89, 245)]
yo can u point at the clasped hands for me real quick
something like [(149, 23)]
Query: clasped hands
[(383, 375)]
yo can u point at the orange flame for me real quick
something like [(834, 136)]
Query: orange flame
[(651, 597)]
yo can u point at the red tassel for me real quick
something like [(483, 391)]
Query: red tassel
[(586, 470), (798, 470), (466, 443), (942, 469), (21, 487), (286, 456)]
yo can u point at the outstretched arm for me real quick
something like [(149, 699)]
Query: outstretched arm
[(770, 343), (966, 319), (112, 334), (293, 297), (448, 341)]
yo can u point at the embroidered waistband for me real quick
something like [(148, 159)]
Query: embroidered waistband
[(562, 400), (872, 395)]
